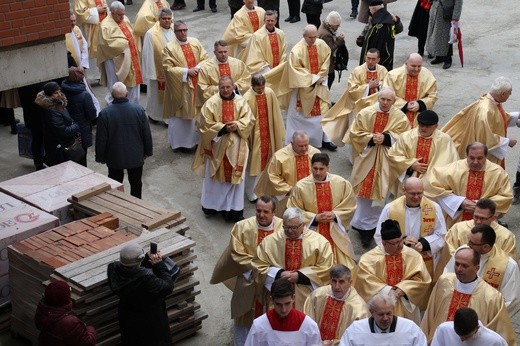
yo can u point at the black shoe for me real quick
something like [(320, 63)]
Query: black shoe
[(152, 121), (288, 19), (294, 20), (503, 224), (143, 88), (437, 60), (447, 64), (197, 9), (129, 2), (430, 56), (329, 146), (214, 9), (353, 14)]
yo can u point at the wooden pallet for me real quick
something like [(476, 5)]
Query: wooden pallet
[(131, 211)]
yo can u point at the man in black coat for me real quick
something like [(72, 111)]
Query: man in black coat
[(142, 282), (381, 32), (123, 139)]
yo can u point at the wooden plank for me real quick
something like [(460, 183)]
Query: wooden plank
[(83, 195), (158, 220), (142, 203)]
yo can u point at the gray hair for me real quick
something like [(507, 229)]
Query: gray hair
[(270, 13), (293, 213), (381, 298), (164, 11), (500, 85), (333, 18), (340, 270), (177, 23), (299, 134), (119, 90), (116, 5), (386, 89), (307, 28)]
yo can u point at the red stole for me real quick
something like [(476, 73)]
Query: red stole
[(324, 203), (458, 300), (261, 234), (253, 18), (224, 70), (133, 51), (263, 126), (315, 68), (302, 166), (365, 191), (410, 94), (293, 254), (101, 15), (275, 48), (504, 121), (228, 114), (423, 149), (191, 62), (473, 190), (371, 75), (330, 319), (291, 323), (394, 269)]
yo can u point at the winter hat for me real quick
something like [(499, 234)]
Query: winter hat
[(76, 74), (390, 229), (57, 293), (50, 88), (374, 2), (428, 117), (131, 255)]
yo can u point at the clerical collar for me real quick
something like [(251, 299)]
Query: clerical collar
[(410, 207), (467, 288), (345, 296), (327, 178), (485, 256), (182, 43), (378, 108), (300, 237), (266, 228), (374, 328), (228, 98), (270, 31), (374, 69), (250, 10)]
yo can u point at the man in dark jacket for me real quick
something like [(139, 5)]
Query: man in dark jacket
[(123, 139), (57, 324), (141, 281), (381, 33)]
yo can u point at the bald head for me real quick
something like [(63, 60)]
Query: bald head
[(413, 190), (310, 34), (413, 64), (386, 99)]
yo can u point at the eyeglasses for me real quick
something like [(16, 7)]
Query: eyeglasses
[(181, 30), (470, 243), (291, 228), (480, 218), (394, 243)]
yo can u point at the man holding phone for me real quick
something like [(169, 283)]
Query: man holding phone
[(142, 282)]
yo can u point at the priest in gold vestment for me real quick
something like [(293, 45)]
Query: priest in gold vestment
[(244, 23), (118, 55), (267, 48), (458, 186), (394, 269), (304, 81), (465, 289), (418, 150), (220, 66), (234, 267), (267, 135), (287, 166), (89, 14), (181, 62), (328, 203), (372, 133), (485, 121), (298, 254), (221, 156), (364, 80), (334, 307), (146, 17)]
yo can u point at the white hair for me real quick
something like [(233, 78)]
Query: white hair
[(119, 90), (116, 5), (381, 298), (386, 89), (500, 85), (333, 18), (293, 213)]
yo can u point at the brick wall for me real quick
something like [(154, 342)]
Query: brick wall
[(24, 21)]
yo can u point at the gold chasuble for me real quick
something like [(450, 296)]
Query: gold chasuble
[(334, 315), (312, 252), (236, 260), (181, 97), (484, 299), (269, 132), (373, 175), (266, 50), (228, 156), (456, 178), (158, 46), (76, 31), (397, 212), (334, 194), (212, 70), (495, 267), (89, 19), (482, 121), (241, 28), (116, 42), (146, 18), (377, 270), (336, 121), (314, 68)]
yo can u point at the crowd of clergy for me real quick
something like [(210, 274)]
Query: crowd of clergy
[(425, 201)]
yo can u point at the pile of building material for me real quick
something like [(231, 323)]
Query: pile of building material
[(132, 212)]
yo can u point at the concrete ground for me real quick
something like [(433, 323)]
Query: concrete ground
[(490, 50)]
